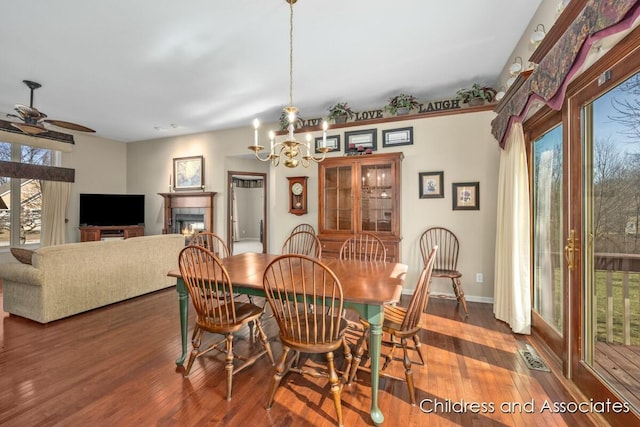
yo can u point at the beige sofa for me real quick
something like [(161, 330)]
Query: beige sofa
[(67, 279)]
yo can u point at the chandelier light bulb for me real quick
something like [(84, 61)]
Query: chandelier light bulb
[(256, 125)]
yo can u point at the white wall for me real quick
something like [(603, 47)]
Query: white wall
[(150, 163), (460, 145), (101, 167)]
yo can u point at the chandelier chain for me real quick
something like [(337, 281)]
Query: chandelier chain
[(290, 151), (291, 54)]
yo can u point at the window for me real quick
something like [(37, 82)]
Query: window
[(21, 199)]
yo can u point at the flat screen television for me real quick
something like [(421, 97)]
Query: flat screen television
[(111, 209)]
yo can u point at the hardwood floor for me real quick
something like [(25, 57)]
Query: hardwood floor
[(115, 366)]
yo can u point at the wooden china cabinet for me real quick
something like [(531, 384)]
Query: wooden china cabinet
[(356, 194)]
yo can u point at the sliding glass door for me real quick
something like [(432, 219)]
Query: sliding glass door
[(610, 153)]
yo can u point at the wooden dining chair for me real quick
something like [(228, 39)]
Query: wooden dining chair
[(363, 247), (217, 312), (446, 264), (303, 243), (401, 324), (215, 244), (292, 283), (211, 241), (303, 227)]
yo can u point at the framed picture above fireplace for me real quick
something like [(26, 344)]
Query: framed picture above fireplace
[(188, 173)]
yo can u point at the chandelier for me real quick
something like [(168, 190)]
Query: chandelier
[(291, 151)]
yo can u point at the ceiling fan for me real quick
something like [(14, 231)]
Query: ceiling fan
[(33, 120)]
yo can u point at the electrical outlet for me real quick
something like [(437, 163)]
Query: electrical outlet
[(479, 278)]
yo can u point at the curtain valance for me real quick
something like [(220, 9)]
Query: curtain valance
[(549, 81), (29, 171)]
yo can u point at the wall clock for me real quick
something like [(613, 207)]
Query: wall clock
[(298, 194)]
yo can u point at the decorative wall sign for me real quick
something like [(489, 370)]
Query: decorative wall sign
[(466, 196), (426, 107), (447, 104), (401, 136), (188, 173), (333, 142), (431, 185), (310, 123), (368, 115)]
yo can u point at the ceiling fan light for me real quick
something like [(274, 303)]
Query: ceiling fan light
[(29, 128)]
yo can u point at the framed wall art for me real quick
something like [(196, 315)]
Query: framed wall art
[(431, 185), (393, 137), (361, 140), (333, 142), (188, 173), (466, 196)]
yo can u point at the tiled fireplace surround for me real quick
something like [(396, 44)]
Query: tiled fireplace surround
[(187, 213)]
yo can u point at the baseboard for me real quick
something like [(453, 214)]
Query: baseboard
[(469, 298)]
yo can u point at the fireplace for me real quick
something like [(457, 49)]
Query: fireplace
[(187, 213), (187, 221)]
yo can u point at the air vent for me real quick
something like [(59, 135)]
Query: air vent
[(532, 359)]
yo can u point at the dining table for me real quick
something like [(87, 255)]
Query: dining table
[(367, 287)]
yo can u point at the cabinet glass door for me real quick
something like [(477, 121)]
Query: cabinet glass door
[(377, 198), (338, 206)]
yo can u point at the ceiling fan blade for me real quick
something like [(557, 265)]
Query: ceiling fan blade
[(31, 129), (69, 125)]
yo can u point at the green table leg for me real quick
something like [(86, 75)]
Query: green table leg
[(183, 297), (374, 315)]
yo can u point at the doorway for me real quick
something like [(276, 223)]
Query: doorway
[(247, 212)]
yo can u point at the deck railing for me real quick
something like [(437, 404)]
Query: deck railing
[(621, 275)]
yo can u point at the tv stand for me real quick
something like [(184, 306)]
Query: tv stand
[(93, 233)]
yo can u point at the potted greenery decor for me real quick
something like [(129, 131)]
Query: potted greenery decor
[(477, 95), (402, 104), (340, 112), (284, 121)]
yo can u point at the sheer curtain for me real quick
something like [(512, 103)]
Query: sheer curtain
[(512, 293), (55, 199)]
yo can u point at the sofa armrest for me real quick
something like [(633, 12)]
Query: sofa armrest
[(22, 273)]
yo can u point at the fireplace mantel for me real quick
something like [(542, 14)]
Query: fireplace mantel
[(189, 199)]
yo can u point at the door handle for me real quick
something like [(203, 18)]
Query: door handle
[(570, 249)]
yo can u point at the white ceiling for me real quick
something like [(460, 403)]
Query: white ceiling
[(128, 67)]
